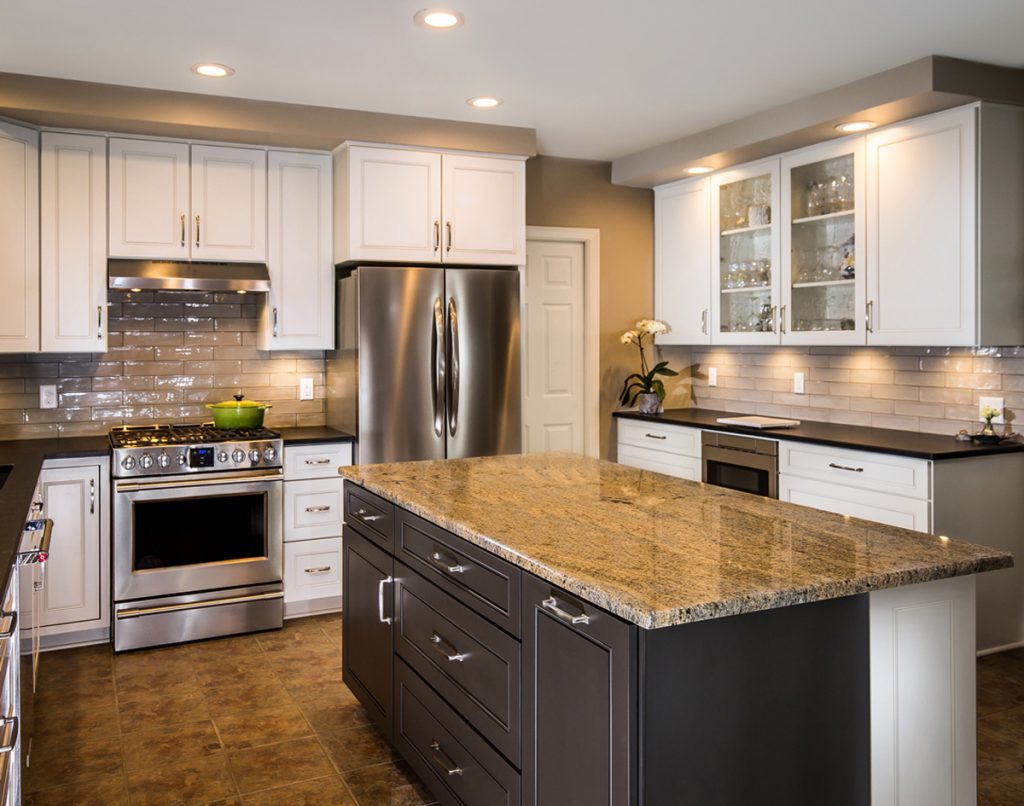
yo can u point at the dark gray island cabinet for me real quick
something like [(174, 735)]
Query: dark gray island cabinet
[(501, 687)]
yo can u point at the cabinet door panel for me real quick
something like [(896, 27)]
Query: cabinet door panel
[(682, 261), (921, 231), (301, 299), (19, 238), (484, 206), (893, 510), (149, 199), (229, 203), (73, 201)]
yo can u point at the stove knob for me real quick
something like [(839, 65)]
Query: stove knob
[(128, 462), (238, 455), (222, 456), (163, 460), (145, 461), (270, 454), (254, 456), (182, 459)]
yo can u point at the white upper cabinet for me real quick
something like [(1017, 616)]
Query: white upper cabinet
[(682, 254), (19, 238), (484, 204), (149, 199), (823, 269), (73, 242), (425, 207), (299, 314), (229, 203), (745, 254), (921, 231)]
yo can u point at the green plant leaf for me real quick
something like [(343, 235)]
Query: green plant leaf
[(659, 387)]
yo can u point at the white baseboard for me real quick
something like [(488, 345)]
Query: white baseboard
[(992, 650), (312, 607), (70, 640)]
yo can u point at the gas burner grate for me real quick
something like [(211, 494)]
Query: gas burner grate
[(141, 436)]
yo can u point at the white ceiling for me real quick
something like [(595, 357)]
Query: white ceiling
[(596, 79)]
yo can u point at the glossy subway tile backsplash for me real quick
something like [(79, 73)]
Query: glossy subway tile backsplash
[(169, 353)]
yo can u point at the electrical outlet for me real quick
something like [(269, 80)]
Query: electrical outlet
[(305, 388), (712, 376), (47, 397), (798, 383), (993, 402)]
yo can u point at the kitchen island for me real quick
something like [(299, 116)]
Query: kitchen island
[(555, 629)]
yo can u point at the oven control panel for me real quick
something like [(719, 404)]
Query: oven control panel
[(170, 460)]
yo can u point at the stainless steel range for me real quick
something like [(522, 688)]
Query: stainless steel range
[(197, 533)]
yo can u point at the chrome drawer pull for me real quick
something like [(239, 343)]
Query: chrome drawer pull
[(10, 626), (447, 649), (446, 565), (655, 436), (318, 509), (318, 461), (844, 467), (380, 600), (366, 517), (323, 569), (9, 726), (442, 759), (551, 603)]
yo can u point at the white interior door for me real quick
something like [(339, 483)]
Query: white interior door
[(554, 400)]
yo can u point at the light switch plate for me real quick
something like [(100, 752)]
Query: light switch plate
[(798, 383), (305, 388), (48, 396), (994, 402), (712, 376)]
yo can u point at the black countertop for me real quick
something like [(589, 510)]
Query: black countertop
[(311, 435), (858, 437)]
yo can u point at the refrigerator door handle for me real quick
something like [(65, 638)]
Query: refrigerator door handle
[(438, 373), (453, 361)]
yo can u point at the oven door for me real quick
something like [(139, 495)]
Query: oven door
[(177, 534), (745, 471)]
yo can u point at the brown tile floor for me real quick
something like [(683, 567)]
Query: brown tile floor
[(264, 720), (260, 719)]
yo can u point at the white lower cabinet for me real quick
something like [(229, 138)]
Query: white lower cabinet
[(871, 505), (312, 576), (312, 508), (670, 449), (671, 464)]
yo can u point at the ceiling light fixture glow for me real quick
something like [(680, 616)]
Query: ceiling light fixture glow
[(855, 126), (484, 102), (439, 19), (211, 70), (699, 169)]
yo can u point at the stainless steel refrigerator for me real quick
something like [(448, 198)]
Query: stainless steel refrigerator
[(427, 364)]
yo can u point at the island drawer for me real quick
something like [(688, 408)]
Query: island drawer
[(679, 439), (478, 579), (467, 660), (457, 765), (885, 472), (370, 515)]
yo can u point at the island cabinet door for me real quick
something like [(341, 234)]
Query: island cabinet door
[(366, 629), (579, 681)]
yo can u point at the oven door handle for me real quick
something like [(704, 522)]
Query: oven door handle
[(135, 486), (135, 612)]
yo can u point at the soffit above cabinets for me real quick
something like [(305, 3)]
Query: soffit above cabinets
[(927, 85)]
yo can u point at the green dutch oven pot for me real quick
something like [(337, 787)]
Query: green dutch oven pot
[(238, 413)]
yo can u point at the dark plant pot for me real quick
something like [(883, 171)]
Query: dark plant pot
[(650, 403)]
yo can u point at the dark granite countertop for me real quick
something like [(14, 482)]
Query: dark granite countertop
[(857, 437)]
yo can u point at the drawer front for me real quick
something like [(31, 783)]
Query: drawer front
[(481, 581), (671, 464), (470, 662), (679, 439), (871, 505), (896, 475), (457, 765), (312, 508), (319, 461), (312, 569), (370, 515)]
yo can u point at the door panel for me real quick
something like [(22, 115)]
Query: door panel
[(19, 238), (484, 409), (401, 351), (682, 261), (229, 203), (553, 418), (484, 206)]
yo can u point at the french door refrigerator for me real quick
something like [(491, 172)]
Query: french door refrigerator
[(427, 363)]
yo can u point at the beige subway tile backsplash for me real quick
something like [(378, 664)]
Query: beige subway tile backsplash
[(169, 353)]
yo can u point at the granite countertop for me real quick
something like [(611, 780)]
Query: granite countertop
[(857, 437), (659, 551)]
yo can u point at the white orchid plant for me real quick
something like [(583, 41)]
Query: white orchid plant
[(645, 381)]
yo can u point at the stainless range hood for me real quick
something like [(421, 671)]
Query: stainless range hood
[(174, 275)]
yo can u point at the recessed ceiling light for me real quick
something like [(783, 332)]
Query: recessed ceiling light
[(213, 70), (441, 18), (855, 126), (484, 102), (699, 169)]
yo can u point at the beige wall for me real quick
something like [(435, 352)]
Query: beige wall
[(579, 193)]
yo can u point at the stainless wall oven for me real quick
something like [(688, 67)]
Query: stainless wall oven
[(747, 464)]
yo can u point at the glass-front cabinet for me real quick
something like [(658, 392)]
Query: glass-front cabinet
[(745, 255), (823, 291)]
